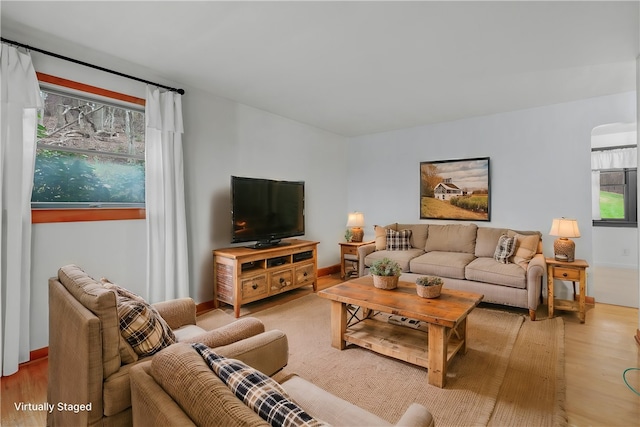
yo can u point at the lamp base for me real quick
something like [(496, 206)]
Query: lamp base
[(358, 234), (564, 249)]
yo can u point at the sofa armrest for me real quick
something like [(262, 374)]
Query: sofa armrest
[(536, 270), (177, 312), (363, 251), (416, 416), (150, 404), (236, 331), (267, 352)]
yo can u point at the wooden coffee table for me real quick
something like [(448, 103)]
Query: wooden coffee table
[(446, 317)]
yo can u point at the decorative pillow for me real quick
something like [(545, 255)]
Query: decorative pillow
[(381, 237), (140, 324), (258, 391), (526, 248), (506, 247), (398, 240)]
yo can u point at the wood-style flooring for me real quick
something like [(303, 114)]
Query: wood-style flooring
[(596, 355)]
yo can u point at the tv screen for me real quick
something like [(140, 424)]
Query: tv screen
[(265, 210)]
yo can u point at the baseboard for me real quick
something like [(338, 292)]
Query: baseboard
[(205, 306), (587, 299), (326, 271)]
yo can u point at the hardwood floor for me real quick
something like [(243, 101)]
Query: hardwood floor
[(596, 355)]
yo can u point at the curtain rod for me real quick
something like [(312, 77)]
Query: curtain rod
[(614, 147), (75, 61)]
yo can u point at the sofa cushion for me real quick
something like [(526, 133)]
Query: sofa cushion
[(487, 240), (258, 391), (398, 240), (401, 257), (332, 409), (505, 249), (526, 248), (443, 264), (452, 238), (488, 270), (418, 237)]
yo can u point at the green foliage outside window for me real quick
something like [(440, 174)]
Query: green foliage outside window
[(611, 205)]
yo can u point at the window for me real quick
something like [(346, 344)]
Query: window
[(90, 151), (614, 180)]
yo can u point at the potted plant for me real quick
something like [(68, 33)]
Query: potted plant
[(429, 286), (386, 273), (348, 235)]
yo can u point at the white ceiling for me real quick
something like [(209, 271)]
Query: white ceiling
[(356, 68)]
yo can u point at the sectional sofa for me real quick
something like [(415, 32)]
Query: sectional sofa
[(177, 387), (467, 257)]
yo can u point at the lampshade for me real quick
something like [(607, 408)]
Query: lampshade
[(356, 222), (563, 247), (356, 219), (564, 227)]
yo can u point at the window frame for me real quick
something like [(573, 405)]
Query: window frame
[(60, 214), (630, 201)]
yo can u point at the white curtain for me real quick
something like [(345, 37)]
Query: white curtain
[(20, 100), (617, 158), (167, 254)]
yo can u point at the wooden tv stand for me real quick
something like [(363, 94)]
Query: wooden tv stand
[(242, 275)]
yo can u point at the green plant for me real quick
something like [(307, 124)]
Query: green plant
[(348, 235), (429, 281), (385, 267)]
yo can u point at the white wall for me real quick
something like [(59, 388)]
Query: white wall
[(224, 139), (221, 138), (540, 165)]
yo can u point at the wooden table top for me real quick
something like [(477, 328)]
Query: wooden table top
[(448, 309)]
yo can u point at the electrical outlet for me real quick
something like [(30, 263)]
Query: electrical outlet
[(625, 251)]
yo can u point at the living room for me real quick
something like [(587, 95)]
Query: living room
[(540, 153)]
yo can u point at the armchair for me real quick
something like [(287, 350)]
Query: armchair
[(89, 361)]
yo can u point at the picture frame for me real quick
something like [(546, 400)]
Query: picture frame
[(456, 189)]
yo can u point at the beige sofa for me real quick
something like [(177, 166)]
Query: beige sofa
[(89, 362), (463, 255), (177, 388)]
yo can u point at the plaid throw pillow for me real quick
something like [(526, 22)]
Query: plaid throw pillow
[(506, 247), (140, 324), (258, 391), (398, 240)]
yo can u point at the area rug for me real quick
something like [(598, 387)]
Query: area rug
[(512, 374)]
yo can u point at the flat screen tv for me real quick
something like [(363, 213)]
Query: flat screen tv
[(265, 210)]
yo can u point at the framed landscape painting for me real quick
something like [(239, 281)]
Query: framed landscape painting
[(455, 189)]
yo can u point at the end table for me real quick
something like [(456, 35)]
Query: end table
[(349, 253), (570, 271)]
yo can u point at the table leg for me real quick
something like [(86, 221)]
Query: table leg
[(462, 334), (338, 324), (437, 355), (550, 291), (582, 308)]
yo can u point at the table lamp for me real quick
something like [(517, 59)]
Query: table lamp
[(356, 222), (564, 248)]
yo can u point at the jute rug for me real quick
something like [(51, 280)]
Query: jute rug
[(512, 374)]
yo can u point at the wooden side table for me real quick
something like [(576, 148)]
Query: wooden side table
[(349, 253), (570, 271)]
